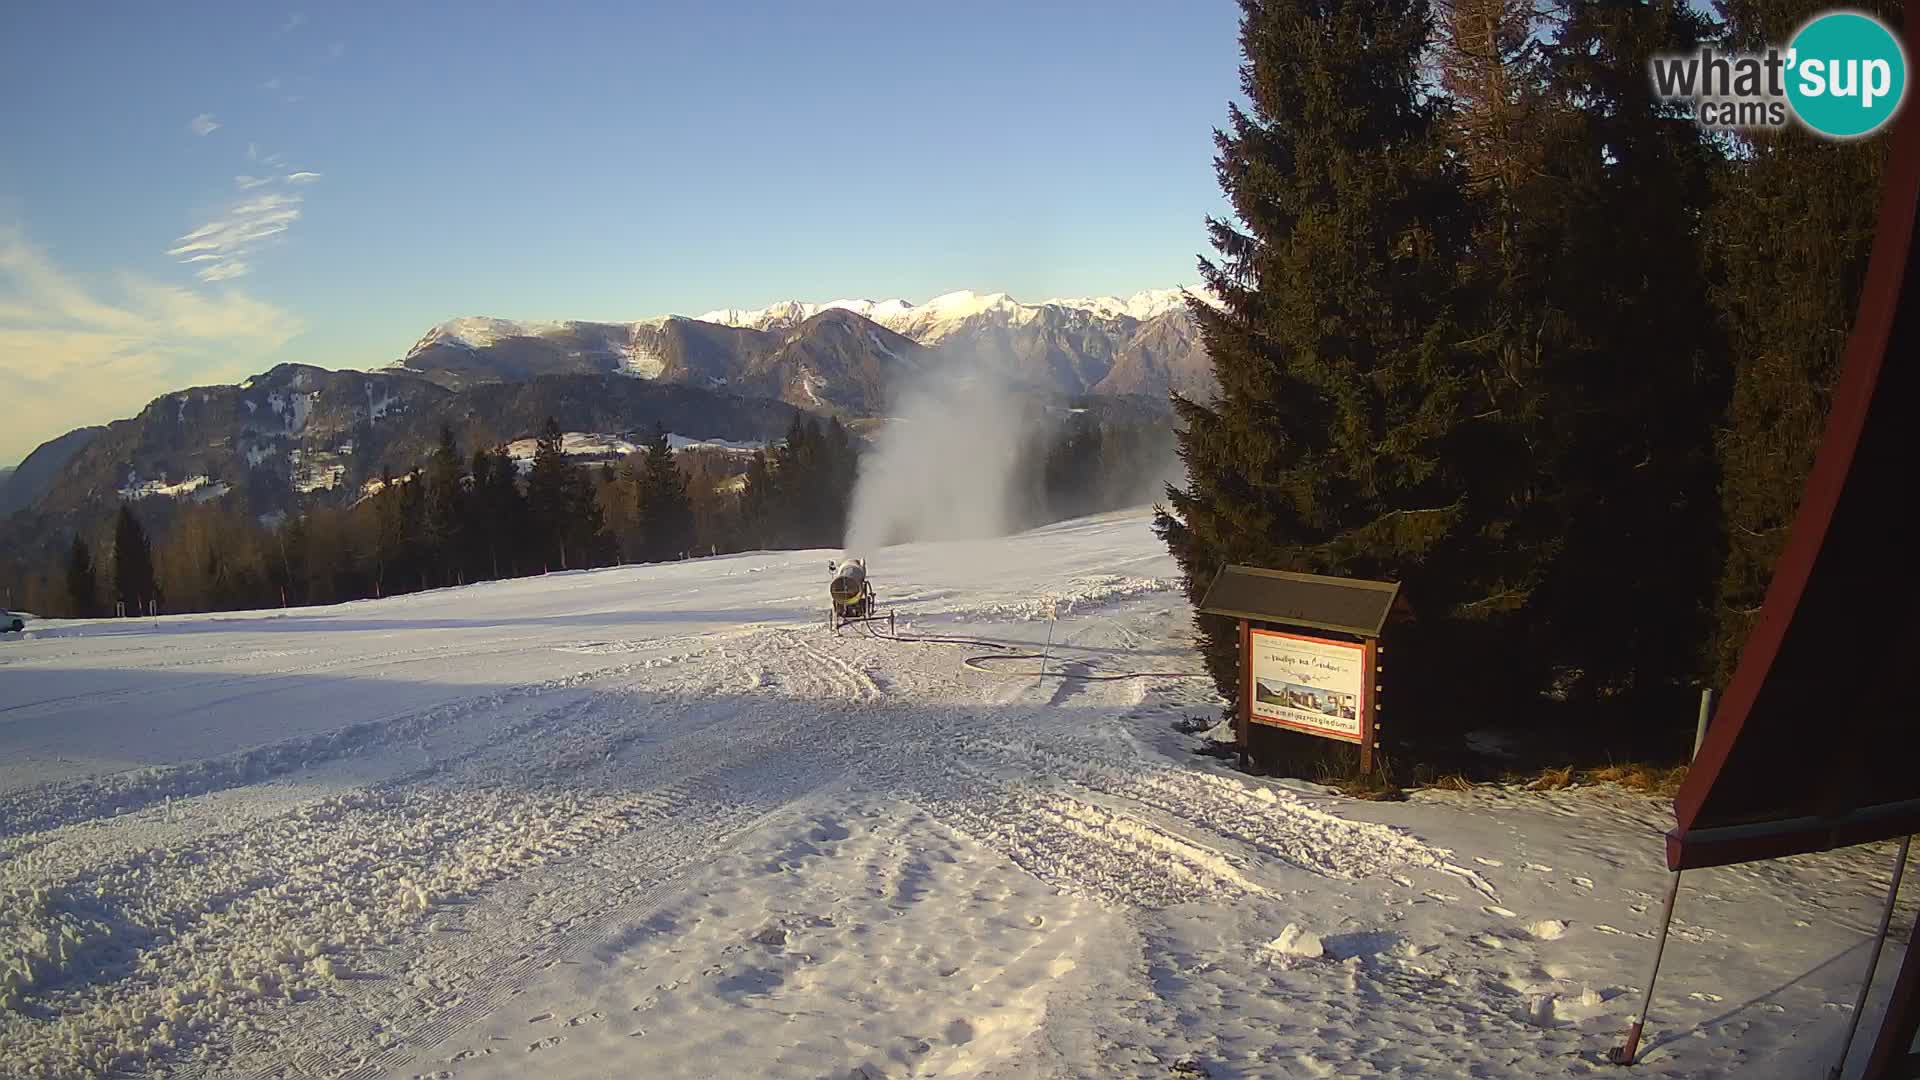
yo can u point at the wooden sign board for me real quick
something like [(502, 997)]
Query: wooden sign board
[(1309, 651), (1317, 685)]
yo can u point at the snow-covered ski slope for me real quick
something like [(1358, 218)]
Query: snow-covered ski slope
[(660, 822)]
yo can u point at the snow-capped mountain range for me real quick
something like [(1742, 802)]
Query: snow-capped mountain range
[(843, 356), (306, 432), (930, 322)]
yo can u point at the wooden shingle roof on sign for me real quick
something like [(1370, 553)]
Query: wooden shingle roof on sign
[(1343, 605)]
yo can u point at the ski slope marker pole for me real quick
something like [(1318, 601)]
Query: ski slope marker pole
[(1624, 1055), (1873, 958), (1046, 653)]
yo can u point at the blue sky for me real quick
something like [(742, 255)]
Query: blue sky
[(191, 193)]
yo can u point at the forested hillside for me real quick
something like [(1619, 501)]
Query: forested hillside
[(1537, 346), (471, 513)]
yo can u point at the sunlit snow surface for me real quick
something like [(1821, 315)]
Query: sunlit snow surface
[(595, 444), (658, 821), (199, 488)]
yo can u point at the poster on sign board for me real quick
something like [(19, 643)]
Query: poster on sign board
[(1309, 684)]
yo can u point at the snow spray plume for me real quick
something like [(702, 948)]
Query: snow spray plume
[(949, 464)]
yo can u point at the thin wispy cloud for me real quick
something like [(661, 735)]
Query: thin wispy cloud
[(270, 84), (74, 354), (204, 124), (222, 249), (336, 50), (223, 271), (246, 183), (294, 22), (302, 177)]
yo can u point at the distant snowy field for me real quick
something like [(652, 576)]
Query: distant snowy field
[(658, 821)]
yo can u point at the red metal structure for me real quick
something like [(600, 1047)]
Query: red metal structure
[(1812, 747)]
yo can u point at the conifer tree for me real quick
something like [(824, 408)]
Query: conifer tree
[(1347, 414), (412, 501), (503, 509), (1508, 132), (798, 494), (759, 503), (82, 586), (796, 461), (484, 524), (133, 577), (1072, 470), (390, 537), (843, 466), (446, 519), (293, 548), (551, 498), (1632, 371), (1792, 226), (665, 512)]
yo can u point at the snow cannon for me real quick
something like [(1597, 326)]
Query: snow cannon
[(852, 593)]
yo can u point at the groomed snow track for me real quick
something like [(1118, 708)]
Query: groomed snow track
[(656, 819)]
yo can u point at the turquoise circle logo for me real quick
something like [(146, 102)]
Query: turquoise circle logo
[(1847, 74)]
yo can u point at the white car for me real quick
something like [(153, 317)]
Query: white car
[(11, 623)]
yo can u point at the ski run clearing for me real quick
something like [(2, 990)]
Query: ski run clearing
[(661, 822)]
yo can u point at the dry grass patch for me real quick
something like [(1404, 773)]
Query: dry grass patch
[(1638, 776), (1552, 779), (1661, 780)]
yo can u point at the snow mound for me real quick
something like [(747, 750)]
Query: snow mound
[(1296, 943), (1223, 732), (1548, 930), (1078, 596)]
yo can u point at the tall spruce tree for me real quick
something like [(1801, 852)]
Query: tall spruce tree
[(446, 517), (665, 512), (391, 540), (412, 501), (292, 548), (83, 588), (1633, 371), (842, 471), (494, 511), (551, 498), (798, 494), (797, 460), (1506, 129), (133, 578), (759, 503), (1345, 427), (1792, 225)]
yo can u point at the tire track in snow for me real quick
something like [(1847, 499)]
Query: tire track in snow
[(359, 664), (732, 776), (669, 859), (482, 980), (1274, 822), (81, 799), (73, 801)]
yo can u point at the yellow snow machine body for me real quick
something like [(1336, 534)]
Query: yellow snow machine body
[(852, 594)]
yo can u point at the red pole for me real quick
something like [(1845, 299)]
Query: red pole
[(1624, 1055)]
